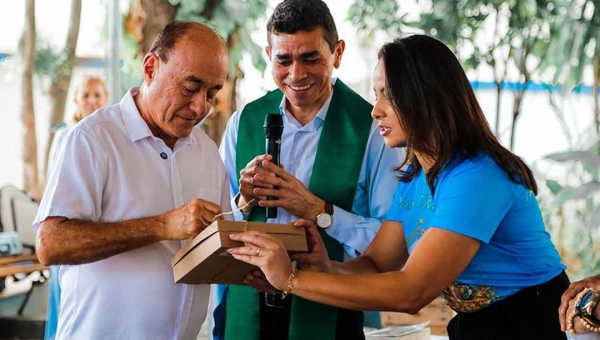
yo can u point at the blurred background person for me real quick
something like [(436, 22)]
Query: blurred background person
[(91, 93)]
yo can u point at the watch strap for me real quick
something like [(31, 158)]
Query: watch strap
[(328, 208)]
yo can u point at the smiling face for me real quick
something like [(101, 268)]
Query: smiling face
[(302, 65), (383, 111), (180, 92), (89, 97)]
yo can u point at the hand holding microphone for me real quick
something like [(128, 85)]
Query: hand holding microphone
[(254, 178), (273, 131)]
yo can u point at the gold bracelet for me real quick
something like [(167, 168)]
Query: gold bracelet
[(289, 282)]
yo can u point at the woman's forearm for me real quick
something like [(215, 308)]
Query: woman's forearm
[(383, 292)]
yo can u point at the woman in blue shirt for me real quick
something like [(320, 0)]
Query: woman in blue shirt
[(464, 221)]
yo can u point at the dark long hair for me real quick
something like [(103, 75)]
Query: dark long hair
[(438, 110)]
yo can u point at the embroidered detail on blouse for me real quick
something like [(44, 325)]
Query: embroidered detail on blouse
[(469, 298)]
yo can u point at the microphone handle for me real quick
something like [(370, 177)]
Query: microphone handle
[(273, 148)]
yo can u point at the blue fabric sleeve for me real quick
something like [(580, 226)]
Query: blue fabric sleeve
[(473, 198), (395, 213)]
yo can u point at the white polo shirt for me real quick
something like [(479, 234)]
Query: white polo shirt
[(111, 168)]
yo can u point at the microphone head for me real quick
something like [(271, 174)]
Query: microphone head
[(273, 125)]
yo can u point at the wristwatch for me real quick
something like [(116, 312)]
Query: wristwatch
[(325, 218), (586, 306)]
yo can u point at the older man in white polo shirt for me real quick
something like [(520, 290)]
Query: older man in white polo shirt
[(131, 183)]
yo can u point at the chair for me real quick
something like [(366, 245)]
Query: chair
[(17, 212)]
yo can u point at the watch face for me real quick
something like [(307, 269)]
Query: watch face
[(582, 306), (586, 298), (324, 220)]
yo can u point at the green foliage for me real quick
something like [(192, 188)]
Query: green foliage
[(576, 44), (367, 15), (576, 196), (234, 20), (131, 71), (48, 59), (554, 186)]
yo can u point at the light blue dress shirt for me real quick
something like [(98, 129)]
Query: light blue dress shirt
[(376, 183)]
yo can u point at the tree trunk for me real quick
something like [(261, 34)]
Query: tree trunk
[(215, 124), (516, 112), (498, 86), (26, 55), (145, 19), (60, 85)]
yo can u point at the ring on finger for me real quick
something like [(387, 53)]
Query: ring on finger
[(258, 251)]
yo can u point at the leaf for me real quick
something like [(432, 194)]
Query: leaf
[(527, 8), (256, 52), (586, 158), (554, 186), (574, 193), (594, 219)]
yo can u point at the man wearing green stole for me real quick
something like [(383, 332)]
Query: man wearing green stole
[(337, 172)]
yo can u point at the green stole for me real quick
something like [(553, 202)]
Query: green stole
[(334, 178)]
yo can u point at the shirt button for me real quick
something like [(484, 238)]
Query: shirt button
[(336, 234), (163, 155)]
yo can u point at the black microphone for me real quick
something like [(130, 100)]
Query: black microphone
[(273, 131)]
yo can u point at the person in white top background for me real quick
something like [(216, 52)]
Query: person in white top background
[(131, 183), (90, 94)]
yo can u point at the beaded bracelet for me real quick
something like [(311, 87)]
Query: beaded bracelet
[(586, 323), (289, 282), (589, 326)]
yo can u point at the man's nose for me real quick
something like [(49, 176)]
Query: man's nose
[(199, 104), (297, 71)]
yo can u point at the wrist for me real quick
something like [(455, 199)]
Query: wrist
[(244, 204), (161, 227), (315, 210), (290, 282)]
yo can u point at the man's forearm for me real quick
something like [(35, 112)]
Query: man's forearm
[(64, 241), (359, 265)]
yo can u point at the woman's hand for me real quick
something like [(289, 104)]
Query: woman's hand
[(266, 252), (316, 259)]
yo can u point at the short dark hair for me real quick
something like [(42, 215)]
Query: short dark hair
[(438, 110), (291, 16), (169, 36)]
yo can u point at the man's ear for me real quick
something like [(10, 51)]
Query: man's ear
[(268, 50), (150, 65), (338, 52)]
